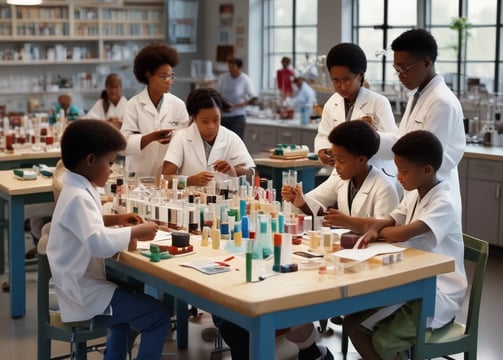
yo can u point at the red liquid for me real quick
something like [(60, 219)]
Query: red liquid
[(49, 140)]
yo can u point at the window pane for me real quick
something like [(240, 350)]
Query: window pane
[(482, 11), (443, 11), (481, 44), (374, 74), (371, 12), (307, 12), (370, 42), (283, 14), (484, 71), (447, 42), (283, 40), (402, 12), (306, 40)]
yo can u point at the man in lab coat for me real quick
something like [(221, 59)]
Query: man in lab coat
[(434, 107)]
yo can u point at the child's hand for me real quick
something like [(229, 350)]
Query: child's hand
[(163, 136), (288, 193), (200, 179), (129, 219), (145, 231), (334, 217), (224, 167), (369, 236), (325, 156)]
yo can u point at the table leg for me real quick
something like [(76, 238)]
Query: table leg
[(3, 222), (427, 309), (262, 339), (182, 324), (17, 274)]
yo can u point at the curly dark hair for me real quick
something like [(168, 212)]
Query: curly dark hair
[(357, 137), (151, 57), (418, 42), (348, 55), (84, 137), (420, 147), (205, 98)]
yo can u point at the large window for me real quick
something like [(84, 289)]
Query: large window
[(290, 30), (378, 22)]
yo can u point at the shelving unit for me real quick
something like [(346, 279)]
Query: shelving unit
[(72, 40)]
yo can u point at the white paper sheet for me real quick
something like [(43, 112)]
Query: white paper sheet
[(372, 250)]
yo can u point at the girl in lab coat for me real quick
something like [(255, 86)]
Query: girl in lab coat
[(347, 64), (112, 105), (205, 145), (153, 116), (355, 189)]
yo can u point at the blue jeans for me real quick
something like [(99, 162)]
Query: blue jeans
[(143, 313)]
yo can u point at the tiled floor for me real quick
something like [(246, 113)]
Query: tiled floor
[(18, 337)]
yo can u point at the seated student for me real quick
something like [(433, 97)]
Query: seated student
[(426, 219), (205, 144), (80, 239), (72, 112), (112, 105), (356, 188)]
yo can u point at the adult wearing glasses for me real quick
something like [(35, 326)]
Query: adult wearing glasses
[(347, 64), (237, 89), (433, 107), (153, 115)]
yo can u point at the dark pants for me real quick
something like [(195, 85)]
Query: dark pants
[(236, 124), (235, 336)]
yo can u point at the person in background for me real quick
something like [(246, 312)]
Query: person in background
[(237, 89), (81, 238), (205, 144), (305, 95), (112, 105), (152, 116), (426, 219), (434, 107), (72, 111), (347, 64), (284, 78)]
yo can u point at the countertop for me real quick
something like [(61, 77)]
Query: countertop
[(477, 151)]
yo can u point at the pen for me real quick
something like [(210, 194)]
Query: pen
[(229, 258)]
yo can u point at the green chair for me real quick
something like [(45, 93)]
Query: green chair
[(456, 337), (51, 328)]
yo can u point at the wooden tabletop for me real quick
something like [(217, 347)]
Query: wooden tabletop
[(279, 163), (9, 184), (289, 290)]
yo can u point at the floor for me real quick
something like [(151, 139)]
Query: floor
[(18, 337)]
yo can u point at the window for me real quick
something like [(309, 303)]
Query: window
[(290, 30)]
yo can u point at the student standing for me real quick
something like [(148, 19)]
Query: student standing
[(347, 64), (426, 219), (80, 238), (434, 107), (237, 89), (152, 116), (112, 105), (284, 78)]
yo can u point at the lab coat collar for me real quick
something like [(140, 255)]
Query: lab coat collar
[(194, 136), (146, 102), (73, 179), (361, 196), (425, 201), (358, 109)]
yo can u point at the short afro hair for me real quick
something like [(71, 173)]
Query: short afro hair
[(357, 137), (236, 61), (348, 55), (205, 98), (418, 42), (151, 57), (84, 137), (420, 147)]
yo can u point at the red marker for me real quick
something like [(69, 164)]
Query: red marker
[(229, 258)]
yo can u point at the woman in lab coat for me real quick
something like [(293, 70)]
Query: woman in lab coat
[(153, 116), (112, 105), (205, 148), (347, 64)]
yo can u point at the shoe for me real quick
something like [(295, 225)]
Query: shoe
[(336, 320), (31, 254), (5, 286)]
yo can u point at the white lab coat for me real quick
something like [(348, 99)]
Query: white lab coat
[(367, 103), (377, 196), (141, 118), (187, 150), (437, 210), (116, 111), (438, 110), (78, 243)]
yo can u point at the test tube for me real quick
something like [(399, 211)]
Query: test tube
[(292, 177)]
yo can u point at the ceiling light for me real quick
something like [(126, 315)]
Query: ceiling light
[(24, 2)]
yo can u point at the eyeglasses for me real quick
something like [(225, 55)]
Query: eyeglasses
[(166, 77), (403, 70), (346, 81)]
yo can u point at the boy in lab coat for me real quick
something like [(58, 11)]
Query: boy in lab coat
[(356, 189), (426, 219), (80, 238)]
